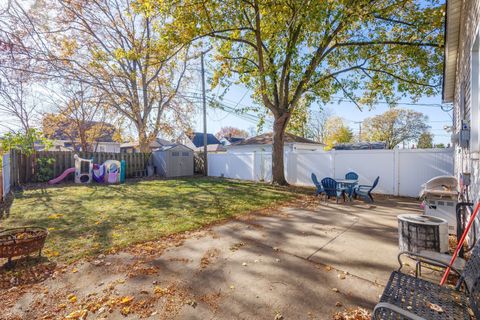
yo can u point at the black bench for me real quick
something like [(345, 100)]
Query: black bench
[(409, 297)]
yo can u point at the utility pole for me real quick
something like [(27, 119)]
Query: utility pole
[(359, 130), (205, 140)]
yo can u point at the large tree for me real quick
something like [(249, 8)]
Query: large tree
[(17, 101), (336, 131), (288, 49), (81, 116), (231, 131), (113, 46), (395, 126), (425, 141)]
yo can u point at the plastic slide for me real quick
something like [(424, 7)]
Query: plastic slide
[(62, 176)]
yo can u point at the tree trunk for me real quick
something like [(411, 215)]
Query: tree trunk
[(143, 141), (278, 168)]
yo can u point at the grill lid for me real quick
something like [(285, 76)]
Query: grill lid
[(441, 186)]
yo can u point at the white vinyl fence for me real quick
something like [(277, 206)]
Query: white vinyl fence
[(401, 171), (5, 174)]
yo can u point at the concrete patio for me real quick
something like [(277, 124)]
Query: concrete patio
[(308, 260)]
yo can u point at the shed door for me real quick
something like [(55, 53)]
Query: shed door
[(175, 164), (186, 163)]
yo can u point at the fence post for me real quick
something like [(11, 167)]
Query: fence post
[(396, 171), (254, 163), (334, 152)]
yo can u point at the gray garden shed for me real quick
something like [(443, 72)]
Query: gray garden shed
[(175, 160)]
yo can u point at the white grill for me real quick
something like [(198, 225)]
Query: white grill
[(440, 197)]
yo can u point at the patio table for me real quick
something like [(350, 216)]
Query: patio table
[(348, 184)]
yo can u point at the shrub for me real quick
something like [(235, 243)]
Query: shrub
[(45, 169)]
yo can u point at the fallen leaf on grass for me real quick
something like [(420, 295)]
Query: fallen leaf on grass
[(55, 216)]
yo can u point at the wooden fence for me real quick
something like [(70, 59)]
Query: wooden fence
[(23, 167), (1, 187)]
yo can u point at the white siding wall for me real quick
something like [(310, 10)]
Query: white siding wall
[(464, 161), (402, 172)]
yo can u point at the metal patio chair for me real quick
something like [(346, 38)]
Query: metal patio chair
[(409, 297)]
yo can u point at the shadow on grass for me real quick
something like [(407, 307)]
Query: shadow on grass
[(86, 220)]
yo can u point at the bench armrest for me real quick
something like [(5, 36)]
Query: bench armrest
[(404, 313), (435, 262)]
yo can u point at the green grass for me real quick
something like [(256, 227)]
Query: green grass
[(86, 220)]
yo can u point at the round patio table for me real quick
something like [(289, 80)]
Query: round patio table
[(348, 185)]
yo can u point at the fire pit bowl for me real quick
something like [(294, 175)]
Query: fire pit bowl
[(421, 232), (21, 241)]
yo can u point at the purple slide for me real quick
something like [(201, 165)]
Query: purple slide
[(62, 176)]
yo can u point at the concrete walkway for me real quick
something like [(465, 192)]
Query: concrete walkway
[(299, 262)]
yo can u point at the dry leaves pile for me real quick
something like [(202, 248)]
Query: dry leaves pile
[(153, 248), (353, 314), (209, 256), (25, 272)]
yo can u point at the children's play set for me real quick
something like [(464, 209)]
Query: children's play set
[(111, 171)]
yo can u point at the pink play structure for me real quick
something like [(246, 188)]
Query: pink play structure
[(62, 176), (111, 171)]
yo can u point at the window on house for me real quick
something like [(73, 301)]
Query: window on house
[(474, 94), (175, 154), (185, 154)]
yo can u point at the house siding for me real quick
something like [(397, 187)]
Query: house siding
[(469, 26)]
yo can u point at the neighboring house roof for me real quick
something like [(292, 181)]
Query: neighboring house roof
[(361, 146), (197, 139), (157, 143), (452, 35), (213, 148), (108, 130), (267, 138), (233, 139)]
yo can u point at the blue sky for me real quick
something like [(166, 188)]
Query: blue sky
[(241, 96)]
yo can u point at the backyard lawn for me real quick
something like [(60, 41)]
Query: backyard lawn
[(86, 220)]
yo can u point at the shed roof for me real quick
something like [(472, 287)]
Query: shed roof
[(173, 146), (452, 36)]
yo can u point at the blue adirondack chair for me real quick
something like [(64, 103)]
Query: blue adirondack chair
[(332, 189), (317, 185), (351, 176), (365, 191)]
